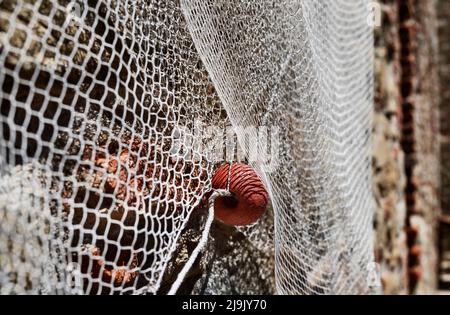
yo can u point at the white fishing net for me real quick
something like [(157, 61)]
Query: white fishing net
[(105, 168)]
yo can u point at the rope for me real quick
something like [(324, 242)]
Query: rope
[(230, 169), (202, 243)]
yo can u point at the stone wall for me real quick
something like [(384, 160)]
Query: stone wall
[(406, 146), (444, 72), (388, 159), (420, 91)]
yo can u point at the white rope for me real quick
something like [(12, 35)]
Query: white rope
[(202, 243), (230, 169)]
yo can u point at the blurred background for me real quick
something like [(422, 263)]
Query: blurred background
[(411, 151)]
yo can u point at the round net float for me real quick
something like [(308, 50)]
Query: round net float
[(249, 197)]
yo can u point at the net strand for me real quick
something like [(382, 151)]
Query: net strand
[(202, 243)]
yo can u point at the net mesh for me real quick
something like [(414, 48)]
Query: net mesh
[(105, 168)]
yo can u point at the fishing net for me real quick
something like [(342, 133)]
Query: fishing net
[(114, 115)]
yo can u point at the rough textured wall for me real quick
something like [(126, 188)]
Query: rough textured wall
[(444, 67), (388, 159), (406, 150), (420, 133), (444, 71)]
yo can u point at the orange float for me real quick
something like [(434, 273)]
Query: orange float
[(249, 197)]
